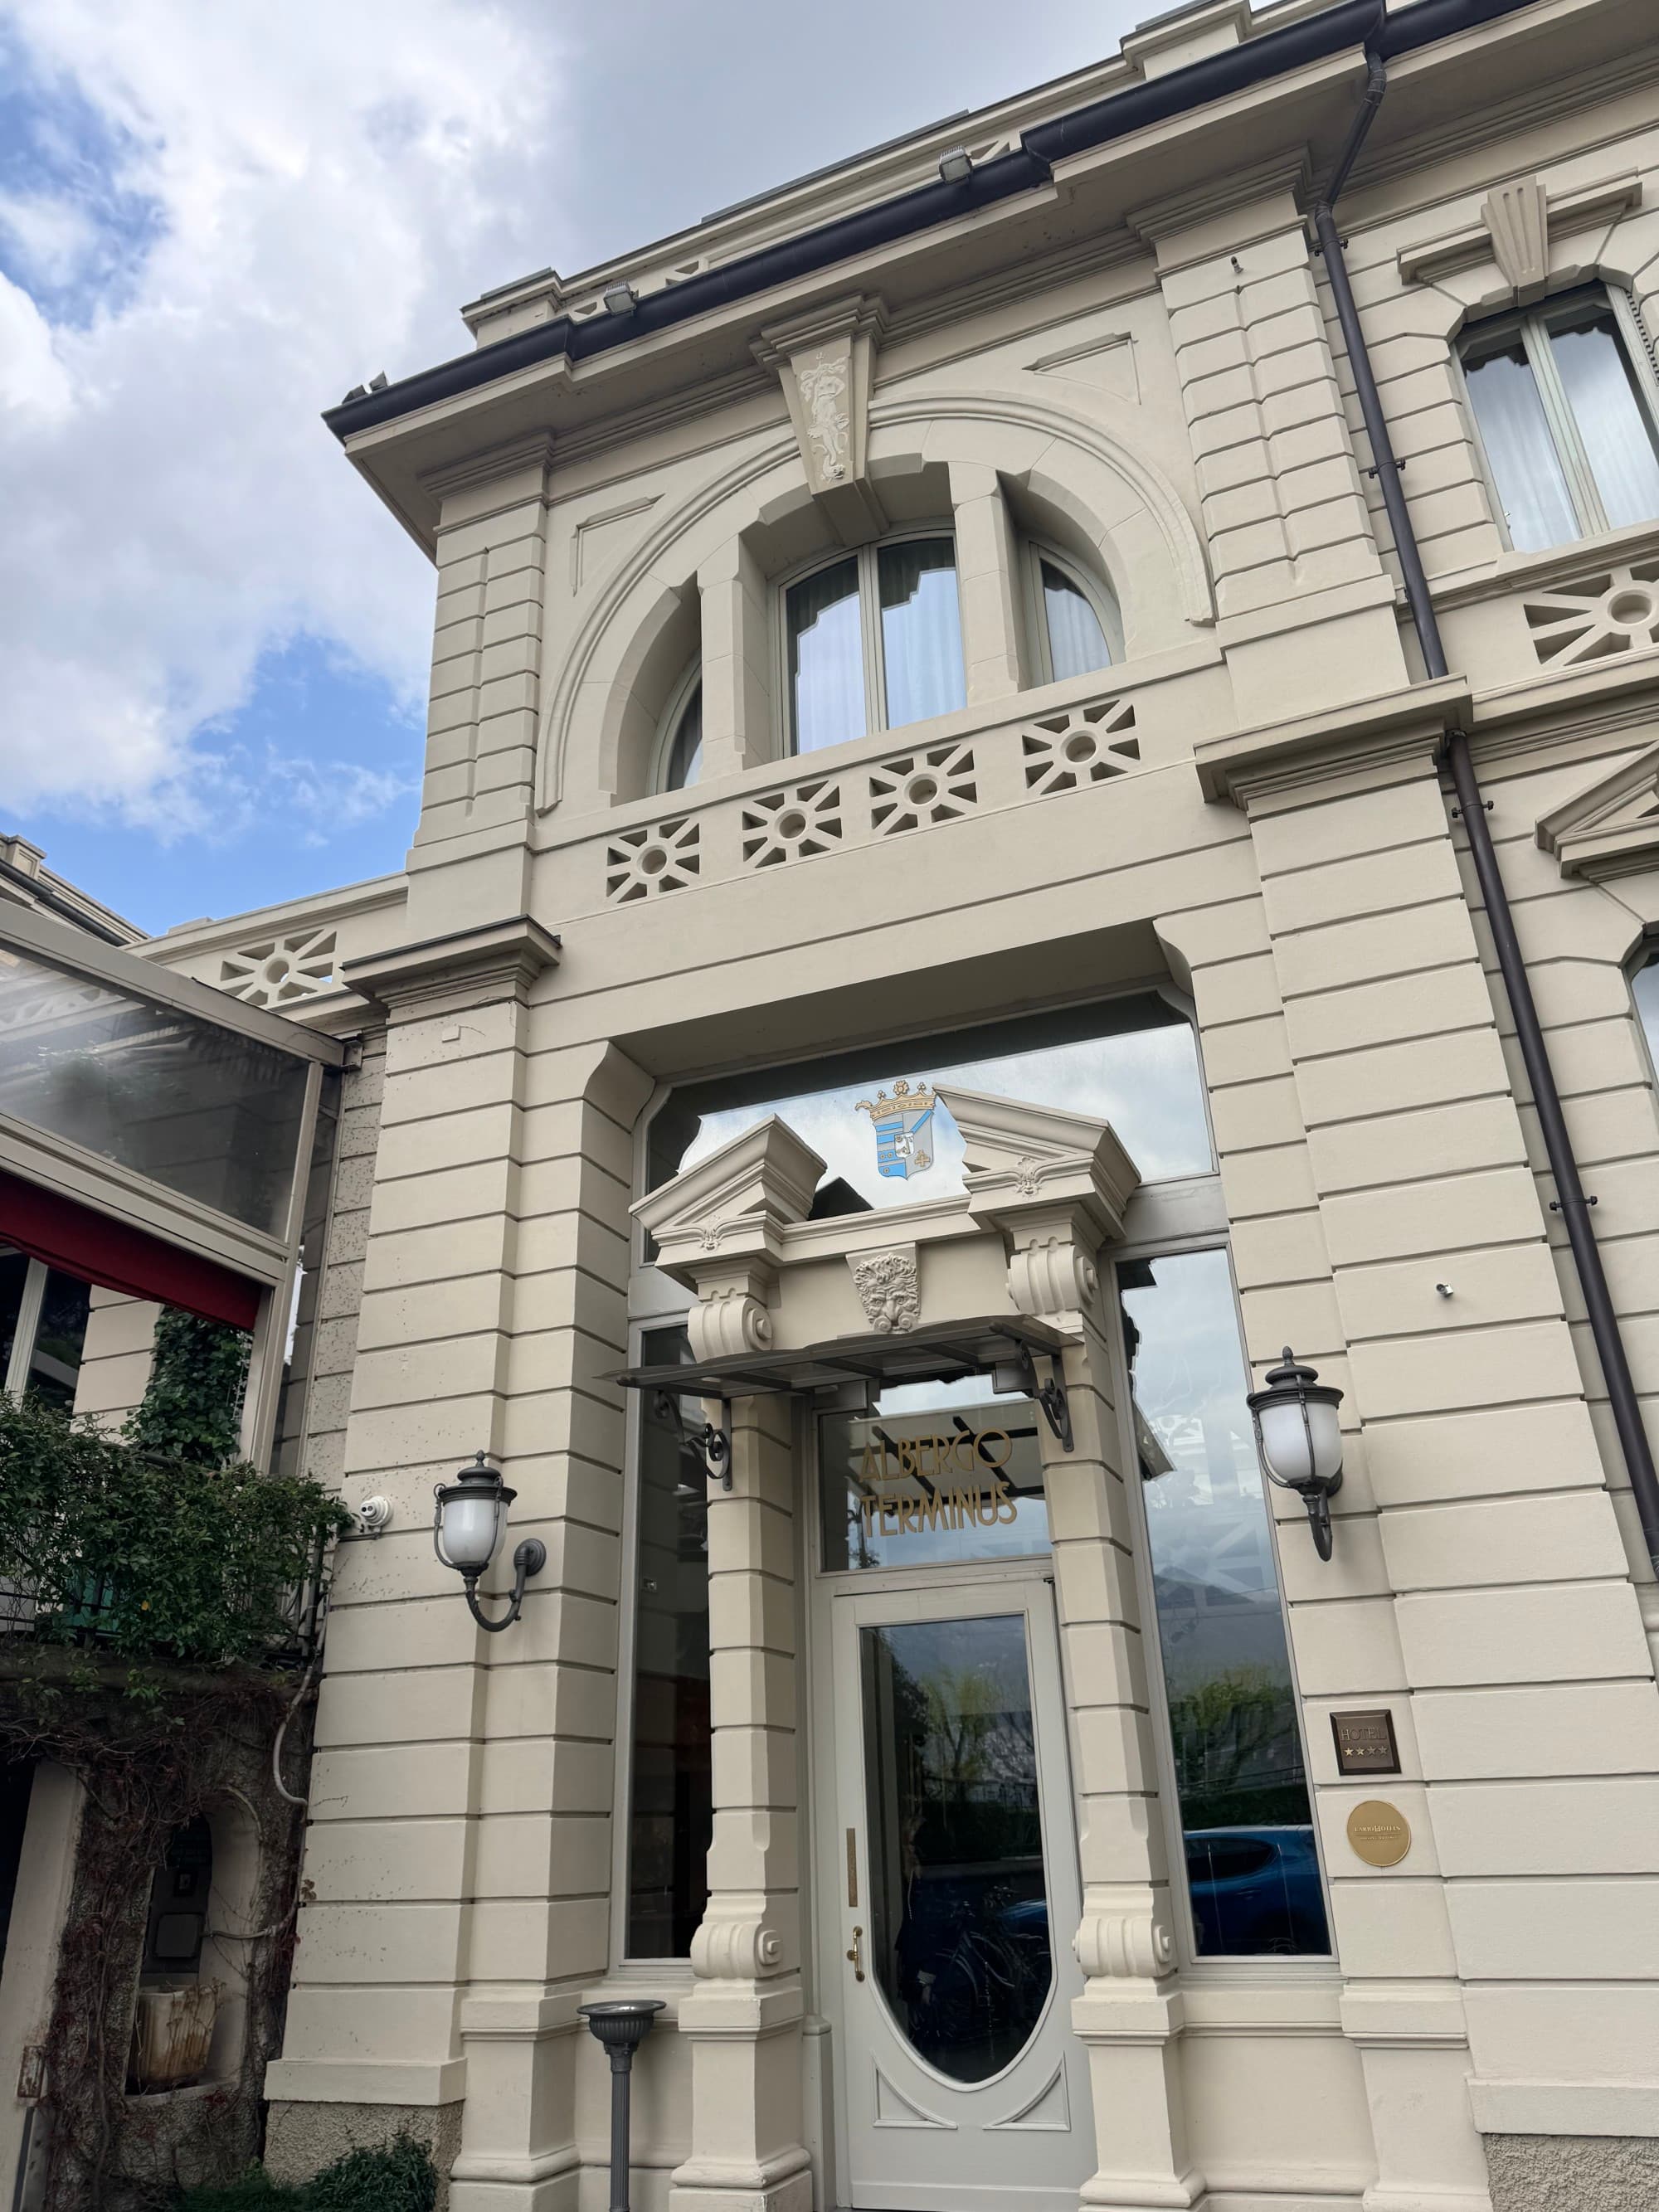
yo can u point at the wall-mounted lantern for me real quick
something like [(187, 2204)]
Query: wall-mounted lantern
[(467, 1530), (1298, 1440)]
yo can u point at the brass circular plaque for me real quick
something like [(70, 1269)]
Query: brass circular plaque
[(1379, 1833)]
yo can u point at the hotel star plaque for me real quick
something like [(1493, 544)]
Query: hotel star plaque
[(1364, 1743)]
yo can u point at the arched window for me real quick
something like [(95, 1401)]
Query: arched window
[(1075, 624), (679, 742), (873, 640)]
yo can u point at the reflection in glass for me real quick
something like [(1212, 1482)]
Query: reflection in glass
[(1532, 485), (938, 1471), (920, 629), (1644, 990), (1252, 1870), (14, 1274), (1132, 1062), (202, 1110), (826, 658), (685, 754), (1613, 424), (959, 1905), (671, 1803), (60, 1337), (1077, 643)]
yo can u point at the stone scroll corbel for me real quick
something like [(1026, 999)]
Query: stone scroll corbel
[(826, 362)]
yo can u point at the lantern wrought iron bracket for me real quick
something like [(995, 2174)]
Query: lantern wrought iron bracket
[(529, 1558), (712, 1444), (1050, 1396)]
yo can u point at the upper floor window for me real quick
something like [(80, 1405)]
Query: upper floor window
[(1564, 402), (872, 641), (680, 740), (1076, 626), (43, 1327)]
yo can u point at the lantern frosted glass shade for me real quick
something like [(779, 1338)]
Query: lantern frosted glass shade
[(467, 1529), (472, 1518), (1298, 1439)]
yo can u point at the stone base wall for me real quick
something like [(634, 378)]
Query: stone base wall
[(301, 2139), (1573, 2173)]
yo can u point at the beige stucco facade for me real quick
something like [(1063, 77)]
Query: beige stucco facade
[(1134, 361)]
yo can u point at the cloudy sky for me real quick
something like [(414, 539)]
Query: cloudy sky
[(216, 216)]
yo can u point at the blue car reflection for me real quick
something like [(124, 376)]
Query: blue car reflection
[(1255, 1890)]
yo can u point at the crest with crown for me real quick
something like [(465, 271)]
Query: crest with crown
[(904, 1129)]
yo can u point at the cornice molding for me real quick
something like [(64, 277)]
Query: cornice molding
[(468, 968), (1369, 733)]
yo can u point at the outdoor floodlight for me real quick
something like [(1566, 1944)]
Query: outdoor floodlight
[(467, 1530), (1298, 1440), (956, 167), (619, 298)]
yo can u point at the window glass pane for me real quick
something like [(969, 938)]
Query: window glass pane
[(1613, 425), (1132, 1062), (1252, 1871), (1076, 642), (55, 1364), (1532, 487), (671, 1803), (202, 1110), (826, 658), (958, 1901), (685, 754), (13, 1273), (1645, 989), (938, 1471), (920, 629)]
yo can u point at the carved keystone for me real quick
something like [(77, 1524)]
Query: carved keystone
[(826, 360)]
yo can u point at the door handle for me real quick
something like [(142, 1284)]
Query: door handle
[(856, 1955)]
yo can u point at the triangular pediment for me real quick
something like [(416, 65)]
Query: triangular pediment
[(1018, 1151), (1612, 824), (758, 1182)]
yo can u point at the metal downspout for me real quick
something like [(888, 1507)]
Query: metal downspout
[(1571, 1201)]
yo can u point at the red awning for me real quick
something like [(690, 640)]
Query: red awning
[(96, 1250)]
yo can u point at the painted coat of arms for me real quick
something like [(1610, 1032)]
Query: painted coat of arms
[(904, 1129)]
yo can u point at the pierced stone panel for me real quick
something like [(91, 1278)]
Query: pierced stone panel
[(280, 970), (792, 826), (923, 790), (1594, 617), (644, 863), (1088, 744)]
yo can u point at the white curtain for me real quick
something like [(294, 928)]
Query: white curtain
[(1532, 486), (920, 629), (826, 658), (1077, 643), (1615, 429)]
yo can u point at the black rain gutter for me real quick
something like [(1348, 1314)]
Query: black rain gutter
[(1570, 1200), (1023, 169)]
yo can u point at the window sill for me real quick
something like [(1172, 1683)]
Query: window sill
[(1558, 564)]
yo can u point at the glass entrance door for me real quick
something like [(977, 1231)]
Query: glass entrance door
[(955, 1899)]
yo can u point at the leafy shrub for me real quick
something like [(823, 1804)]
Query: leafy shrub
[(400, 2177), (192, 1402), (161, 1558)]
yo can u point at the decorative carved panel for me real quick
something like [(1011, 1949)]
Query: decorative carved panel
[(1594, 617), (1088, 744), (923, 789), (646, 863), (280, 969), (792, 826)]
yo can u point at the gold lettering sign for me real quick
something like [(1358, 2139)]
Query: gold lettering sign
[(909, 1484), (1379, 1833)]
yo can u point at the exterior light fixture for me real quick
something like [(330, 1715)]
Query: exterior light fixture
[(956, 167), (467, 1530), (1298, 1440), (619, 298)]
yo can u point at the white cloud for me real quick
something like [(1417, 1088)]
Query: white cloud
[(258, 208)]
